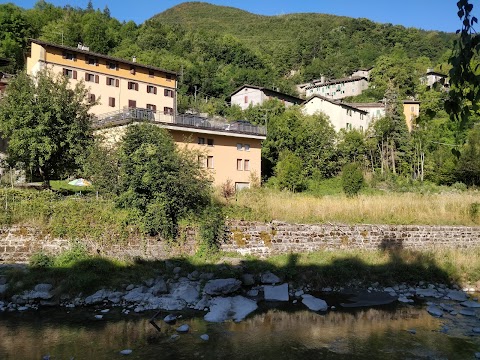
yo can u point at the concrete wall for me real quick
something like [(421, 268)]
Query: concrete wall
[(18, 243)]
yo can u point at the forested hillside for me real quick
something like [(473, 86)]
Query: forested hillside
[(217, 48)]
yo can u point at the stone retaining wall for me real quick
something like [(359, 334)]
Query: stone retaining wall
[(18, 243), (264, 239)]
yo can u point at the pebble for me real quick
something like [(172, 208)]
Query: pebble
[(183, 328), (126, 352), (104, 311), (476, 330), (204, 337), (98, 317), (170, 318), (412, 331)]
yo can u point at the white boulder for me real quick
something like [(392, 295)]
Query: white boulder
[(276, 293), (236, 308), (314, 303), (269, 278)]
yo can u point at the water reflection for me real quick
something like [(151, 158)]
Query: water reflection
[(272, 334)]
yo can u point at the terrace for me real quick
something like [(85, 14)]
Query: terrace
[(129, 115)]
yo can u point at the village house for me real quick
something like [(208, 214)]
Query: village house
[(341, 115), (353, 85), (375, 110), (129, 92), (248, 95), (411, 110), (433, 77)]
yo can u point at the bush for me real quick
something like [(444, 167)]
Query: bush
[(68, 258), (352, 179), (41, 260), (289, 172), (212, 227)]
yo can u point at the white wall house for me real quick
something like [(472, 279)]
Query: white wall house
[(339, 88), (255, 95), (375, 110), (341, 115)]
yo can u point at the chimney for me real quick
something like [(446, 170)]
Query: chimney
[(79, 46), (134, 59), (322, 79)]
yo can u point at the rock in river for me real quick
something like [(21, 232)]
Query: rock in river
[(222, 286), (276, 293), (314, 303), (236, 308)]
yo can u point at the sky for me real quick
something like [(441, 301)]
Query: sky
[(424, 14)]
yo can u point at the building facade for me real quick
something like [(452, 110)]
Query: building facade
[(114, 83), (375, 110), (226, 155), (339, 88), (341, 115), (254, 95), (411, 110)]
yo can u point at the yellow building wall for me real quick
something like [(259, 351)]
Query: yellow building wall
[(52, 57), (224, 152), (411, 111)]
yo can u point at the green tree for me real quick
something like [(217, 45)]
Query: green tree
[(15, 30), (468, 167), (46, 123), (157, 181), (289, 172), (352, 179)]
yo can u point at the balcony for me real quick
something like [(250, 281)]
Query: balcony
[(129, 115)]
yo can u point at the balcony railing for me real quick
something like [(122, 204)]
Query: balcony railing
[(128, 115)]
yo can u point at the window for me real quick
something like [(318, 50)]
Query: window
[(412, 108), (69, 56), (210, 162), (71, 74), (246, 165), (240, 147), (113, 82), (348, 126), (239, 164), (201, 161), (89, 77), (132, 86), (361, 128), (91, 98), (210, 142), (152, 107), (151, 73), (247, 147), (132, 104), (245, 100), (132, 70), (168, 92), (112, 65), (111, 102), (168, 110), (201, 141), (361, 116), (151, 89), (91, 61)]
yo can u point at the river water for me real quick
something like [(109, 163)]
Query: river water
[(288, 332)]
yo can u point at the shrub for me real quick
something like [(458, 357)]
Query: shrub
[(289, 172), (352, 179), (68, 258), (41, 260), (212, 227)]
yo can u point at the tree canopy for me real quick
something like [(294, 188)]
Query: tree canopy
[(46, 123)]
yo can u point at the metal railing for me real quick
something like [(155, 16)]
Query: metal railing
[(127, 115)]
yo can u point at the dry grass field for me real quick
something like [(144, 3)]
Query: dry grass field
[(452, 208)]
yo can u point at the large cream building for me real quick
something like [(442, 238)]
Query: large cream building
[(129, 92)]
